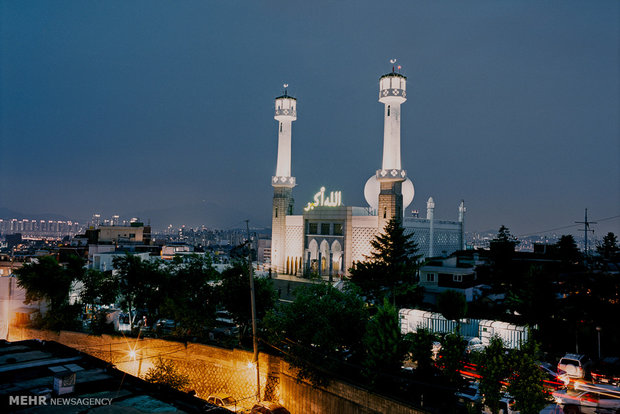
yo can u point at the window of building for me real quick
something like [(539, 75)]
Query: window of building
[(280, 126), (430, 277), (384, 212), (313, 228), (388, 110), (337, 229), (325, 228), (457, 278), (276, 212)]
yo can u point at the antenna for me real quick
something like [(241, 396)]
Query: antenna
[(586, 229)]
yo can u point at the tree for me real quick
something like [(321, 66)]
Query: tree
[(453, 306), (609, 247), (317, 331), (419, 346), (46, 280), (235, 294), (392, 262), (165, 372), (526, 383), (191, 299), (502, 251), (139, 284), (451, 357), (383, 343), (493, 367), (567, 249)]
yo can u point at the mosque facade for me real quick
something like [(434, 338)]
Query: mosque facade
[(329, 236)]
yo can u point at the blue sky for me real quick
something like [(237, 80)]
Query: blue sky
[(126, 107)]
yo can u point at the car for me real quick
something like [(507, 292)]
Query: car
[(469, 395), (268, 407), (589, 399), (223, 400), (575, 366), (165, 326), (474, 345), (553, 378), (606, 371)]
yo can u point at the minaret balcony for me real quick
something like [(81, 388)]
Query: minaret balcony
[(283, 181), (391, 174)]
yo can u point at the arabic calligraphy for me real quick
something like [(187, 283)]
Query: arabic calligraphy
[(333, 200)]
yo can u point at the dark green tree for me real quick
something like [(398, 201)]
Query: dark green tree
[(234, 293), (165, 372), (392, 262), (493, 367), (139, 285), (526, 382), (451, 358), (608, 248), (502, 249), (419, 347), (453, 306), (46, 280), (567, 249), (319, 329), (191, 297), (383, 343)]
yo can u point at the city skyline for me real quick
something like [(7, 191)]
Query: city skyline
[(122, 109)]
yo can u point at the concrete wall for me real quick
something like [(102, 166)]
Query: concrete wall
[(218, 370)]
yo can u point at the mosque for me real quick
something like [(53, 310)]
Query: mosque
[(329, 236)]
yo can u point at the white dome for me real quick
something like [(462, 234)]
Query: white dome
[(372, 189)]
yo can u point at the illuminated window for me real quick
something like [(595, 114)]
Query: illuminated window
[(337, 229), (325, 228), (313, 228), (430, 277)]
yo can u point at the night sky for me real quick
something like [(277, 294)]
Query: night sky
[(156, 108)]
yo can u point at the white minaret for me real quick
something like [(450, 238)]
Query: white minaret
[(392, 93), (282, 182), (430, 216), (286, 113), (462, 211)]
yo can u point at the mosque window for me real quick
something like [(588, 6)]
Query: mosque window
[(313, 228), (280, 126), (384, 212), (325, 227), (276, 212), (337, 229), (388, 110)]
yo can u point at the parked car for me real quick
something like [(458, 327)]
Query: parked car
[(469, 395), (165, 326), (223, 400), (474, 345), (606, 371), (268, 407), (575, 366), (589, 399), (553, 378)]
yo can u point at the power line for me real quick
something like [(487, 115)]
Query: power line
[(566, 227)]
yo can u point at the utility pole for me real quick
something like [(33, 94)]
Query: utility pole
[(586, 229), (253, 299)]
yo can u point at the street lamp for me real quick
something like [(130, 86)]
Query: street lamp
[(253, 302), (598, 330)]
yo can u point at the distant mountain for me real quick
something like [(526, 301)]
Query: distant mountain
[(6, 213), (201, 213)]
